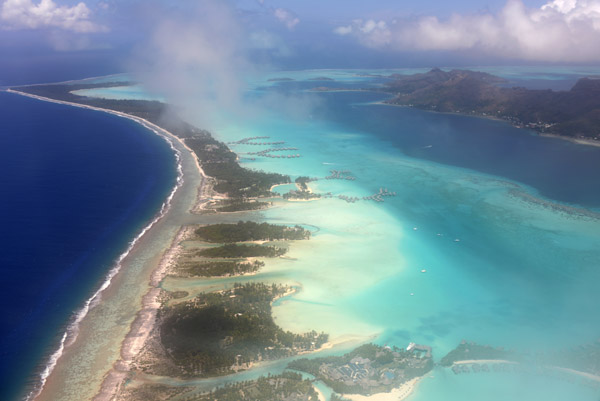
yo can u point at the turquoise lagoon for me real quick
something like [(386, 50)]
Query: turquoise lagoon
[(118, 92), (493, 236)]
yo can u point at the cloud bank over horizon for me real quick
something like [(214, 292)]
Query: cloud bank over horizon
[(25, 14), (558, 31)]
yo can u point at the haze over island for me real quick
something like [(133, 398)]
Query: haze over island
[(340, 201)]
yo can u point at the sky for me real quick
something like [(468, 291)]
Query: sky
[(93, 37)]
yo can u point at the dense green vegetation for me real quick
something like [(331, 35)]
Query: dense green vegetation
[(368, 351), (229, 235), (363, 370), (287, 386), (221, 163), (306, 195), (250, 231), (242, 251), (215, 269), (302, 181), (218, 331), (303, 191), (468, 351), (215, 157), (238, 205), (574, 113), (149, 391)]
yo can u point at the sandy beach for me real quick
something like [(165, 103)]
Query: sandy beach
[(397, 394), (320, 394)]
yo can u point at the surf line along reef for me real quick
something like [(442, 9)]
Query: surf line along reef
[(197, 334)]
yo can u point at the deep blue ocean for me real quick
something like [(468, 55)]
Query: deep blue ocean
[(77, 185)]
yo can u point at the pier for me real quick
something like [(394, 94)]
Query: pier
[(340, 175), (349, 199), (264, 143), (267, 153), (484, 367), (263, 152), (244, 141), (281, 156), (248, 141), (378, 196)]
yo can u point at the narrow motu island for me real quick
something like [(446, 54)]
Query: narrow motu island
[(136, 341)]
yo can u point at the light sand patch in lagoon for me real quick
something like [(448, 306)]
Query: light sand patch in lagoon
[(135, 92), (356, 247), (397, 394), (320, 395)]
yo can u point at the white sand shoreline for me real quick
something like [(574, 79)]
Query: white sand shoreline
[(397, 394)]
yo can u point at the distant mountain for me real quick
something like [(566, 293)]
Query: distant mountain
[(573, 113)]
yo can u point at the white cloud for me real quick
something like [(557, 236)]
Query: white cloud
[(343, 30), (563, 6), (196, 60), (200, 61), (287, 17), (371, 33), (560, 31), (371, 26), (24, 14)]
